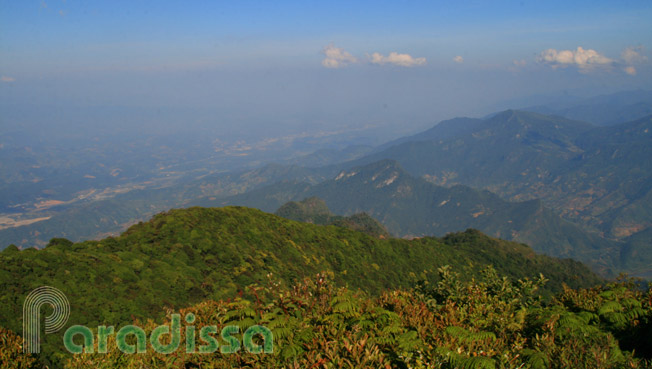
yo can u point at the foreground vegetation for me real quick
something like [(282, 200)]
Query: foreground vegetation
[(486, 322)]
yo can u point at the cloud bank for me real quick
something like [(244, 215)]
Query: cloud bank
[(336, 57), (584, 59), (394, 58), (588, 59)]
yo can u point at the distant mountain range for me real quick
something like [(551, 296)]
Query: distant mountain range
[(601, 110), (597, 177), (566, 187)]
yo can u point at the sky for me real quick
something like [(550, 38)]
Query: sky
[(306, 64)]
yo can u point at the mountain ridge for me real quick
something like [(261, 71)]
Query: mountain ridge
[(413, 207)]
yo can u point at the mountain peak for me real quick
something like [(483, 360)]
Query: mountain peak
[(520, 124), (518, 115), (314, 210), (305, 210)]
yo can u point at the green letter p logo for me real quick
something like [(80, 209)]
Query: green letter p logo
[(32, 316)]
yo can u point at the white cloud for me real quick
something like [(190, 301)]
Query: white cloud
[(336, 57), (630, 70), (458, 59), (633, 55), (589, 59), (585, 60), (403, 60), (7, 79)]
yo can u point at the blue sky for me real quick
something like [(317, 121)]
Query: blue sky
[(291, 33), (427, 60)]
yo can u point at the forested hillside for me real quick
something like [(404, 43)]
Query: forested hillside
[(183, 257)]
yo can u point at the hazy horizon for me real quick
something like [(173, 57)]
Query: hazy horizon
[(289, 67)]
